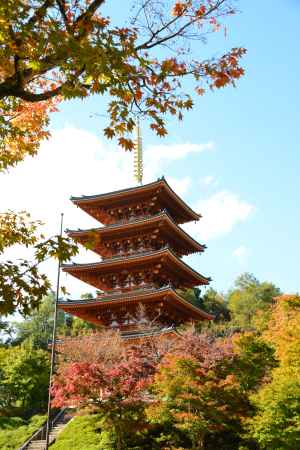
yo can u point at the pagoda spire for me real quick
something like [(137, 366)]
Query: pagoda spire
[(138, 155)]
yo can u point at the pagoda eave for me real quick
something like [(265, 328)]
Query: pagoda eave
[(101, 311), (159, 262), (159, 228), (101, 206)]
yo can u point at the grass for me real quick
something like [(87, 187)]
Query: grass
[(15, 431), (84, 432)]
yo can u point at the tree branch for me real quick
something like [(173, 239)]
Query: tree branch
[(18, 92), (89, 11), (62, 8), (39, 13), (147, 45)]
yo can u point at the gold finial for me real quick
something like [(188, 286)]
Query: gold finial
[(138, 156)]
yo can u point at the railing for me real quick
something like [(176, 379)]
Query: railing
[(136, 252), (41, 433)]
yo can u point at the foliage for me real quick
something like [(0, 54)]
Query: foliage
[(207, 390), (276, 423), (254, 362), (6, 332), (22, 285), (283, 330), (212, 302), (250, 297), (37, 327), (53, 49), (103, 347), (24, 378), (197, 392), (14, 431), (114, 384)]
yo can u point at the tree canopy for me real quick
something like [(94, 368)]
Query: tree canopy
[(24, 378), (22, 285), (250, 300), (56, 49)]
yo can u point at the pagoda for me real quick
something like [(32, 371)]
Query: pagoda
[(141, 246)]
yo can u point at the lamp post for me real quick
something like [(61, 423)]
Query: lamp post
[(53, 343)]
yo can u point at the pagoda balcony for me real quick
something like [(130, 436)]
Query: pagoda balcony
[(163, 306), (141, 234), (159, 267), (138, 252)]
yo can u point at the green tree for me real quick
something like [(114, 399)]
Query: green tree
[(37, 327), (212, 302), (24, 378), (255, 359), (203, 404), (22, 285), (276, 424), (250, 301)]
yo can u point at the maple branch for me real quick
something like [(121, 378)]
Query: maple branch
[(62, 8), (157, 32), (89, 11), (39, 13), (32, 97), (150, 44)]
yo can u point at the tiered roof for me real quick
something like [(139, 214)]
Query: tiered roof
[(158, 196), (141, 246), (177, 271), (160, 226), (172, 307)]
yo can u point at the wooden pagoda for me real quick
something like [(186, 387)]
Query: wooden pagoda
[(141, 247)]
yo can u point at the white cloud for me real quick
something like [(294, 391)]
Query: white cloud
[(158, 156), (180, 186), (221, 212), (75, 162), (209, 180), (241, 254)]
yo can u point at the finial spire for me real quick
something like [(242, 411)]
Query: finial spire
[(138, 155)]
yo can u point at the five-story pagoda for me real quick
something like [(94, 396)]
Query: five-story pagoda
[(141, 245)]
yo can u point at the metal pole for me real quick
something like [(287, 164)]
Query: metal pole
[(53, 342)]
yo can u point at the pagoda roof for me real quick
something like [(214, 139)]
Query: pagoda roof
[(177, 208), (128, 229), (137, 261), (91, 309)]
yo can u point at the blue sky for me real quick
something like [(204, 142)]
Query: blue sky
[(240, 160)]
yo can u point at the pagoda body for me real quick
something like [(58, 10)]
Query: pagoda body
[(141, 246)]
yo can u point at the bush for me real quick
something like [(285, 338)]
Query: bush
[(85, 432), (15, 431)]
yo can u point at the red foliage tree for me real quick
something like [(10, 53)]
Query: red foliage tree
[(114, 383)]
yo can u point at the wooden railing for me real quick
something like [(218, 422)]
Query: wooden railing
[(40, 434)]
